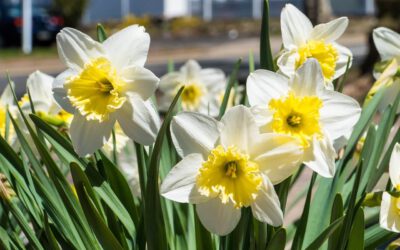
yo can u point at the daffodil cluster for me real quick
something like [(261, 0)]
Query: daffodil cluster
[(233, 152)]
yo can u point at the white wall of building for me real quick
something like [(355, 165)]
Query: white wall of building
[(176, 8)]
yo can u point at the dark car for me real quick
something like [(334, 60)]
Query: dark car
[(45, 25)]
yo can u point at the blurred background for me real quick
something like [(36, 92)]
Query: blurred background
[(214, 32)]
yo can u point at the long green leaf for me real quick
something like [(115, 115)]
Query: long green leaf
[(266, 58), (319, 241), (337, 212), (231, 82), (356, 238), (154, 223), (278, 240)]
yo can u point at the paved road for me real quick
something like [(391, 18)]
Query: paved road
[(226, 64)]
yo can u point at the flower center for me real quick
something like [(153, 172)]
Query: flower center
[(96, 91), (297, 116), (191, 96), (231, 175), (325, 53)]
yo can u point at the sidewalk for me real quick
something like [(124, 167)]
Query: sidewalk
[(163, 50)]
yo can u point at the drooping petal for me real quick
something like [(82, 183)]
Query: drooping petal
[(320, 157), (389, 217), (387, 43), (287, 62), (194, 133), (87, 136), (338, 114), (266, 207), (139, 120), (140, 81), (295, 27), (341, 64), (128, 47), (60, 93), (330, 31), (180, 183), (40, 85), (308, 79), (263, 117), (239, 128), (217, 217), (264, 85), (394, 166), (278, 156), (76, 48)]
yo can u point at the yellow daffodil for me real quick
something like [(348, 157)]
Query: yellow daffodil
[(106, 83), (302, 107), (228, 165), (387, 42), (390, 205), (202, 88), (302, 41)]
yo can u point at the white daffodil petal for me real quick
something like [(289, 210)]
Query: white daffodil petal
[(287, 62), (330, 31), (295, 27), (394, 166), (139, 120), (75, 48), (239, 129), (389, 217), (264, 85), (88, 136), (263, 117), (217, 217), (341, 64), (128, 47), (194, 133), (180, 183), (387, 43), (278, 156), (191, 70), (308, 79), (213, 79), (59, 92), (140, 80), (170, 82), (266, 207), (39, 86), (320, 157), (7, 97), (338, 114)]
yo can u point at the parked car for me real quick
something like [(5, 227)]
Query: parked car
[(45, 25)]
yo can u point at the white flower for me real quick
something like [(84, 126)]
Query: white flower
[(390, 206), (7, 103), (302, 41), (387, 42), (106, 83), (227, 165), (40, 88), (202, 88), (304, 108)]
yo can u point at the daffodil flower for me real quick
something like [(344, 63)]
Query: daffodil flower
[(387, 42), (302, 41), (302, 107), (106, 83), (202, 88), (228, 165), (40, 88), (390, 206), (6, 103)]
